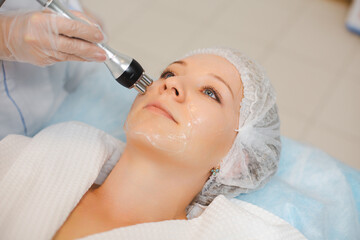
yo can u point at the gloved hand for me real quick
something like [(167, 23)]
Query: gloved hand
[(43, 38)]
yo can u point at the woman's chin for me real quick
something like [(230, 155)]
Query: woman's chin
[(156, 131), (167, 143)]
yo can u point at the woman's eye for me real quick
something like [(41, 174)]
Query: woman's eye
[(167, 74), (211, 92)]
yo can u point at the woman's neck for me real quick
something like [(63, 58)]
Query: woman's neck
[(144, 187)]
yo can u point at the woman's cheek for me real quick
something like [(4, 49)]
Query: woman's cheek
[(207, 123)]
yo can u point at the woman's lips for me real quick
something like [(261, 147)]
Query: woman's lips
[(156, 107)]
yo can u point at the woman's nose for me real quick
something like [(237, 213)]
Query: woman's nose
[(173, 87)]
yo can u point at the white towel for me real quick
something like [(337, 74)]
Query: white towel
[(43, 178)]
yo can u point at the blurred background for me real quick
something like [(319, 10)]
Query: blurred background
[(312, 60)]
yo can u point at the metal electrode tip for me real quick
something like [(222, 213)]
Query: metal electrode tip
[(143, 82), (145, 79)]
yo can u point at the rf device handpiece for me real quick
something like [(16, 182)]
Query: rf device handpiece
[(126, 70)]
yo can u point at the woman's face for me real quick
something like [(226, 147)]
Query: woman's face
[(190, 113)]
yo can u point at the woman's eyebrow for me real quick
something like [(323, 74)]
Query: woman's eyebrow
[(222, 80), (179, 62), (216, 76)]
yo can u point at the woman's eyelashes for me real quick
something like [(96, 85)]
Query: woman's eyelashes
[(167, 74), (207, 90)]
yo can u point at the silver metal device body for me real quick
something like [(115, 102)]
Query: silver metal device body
[(116, 62)]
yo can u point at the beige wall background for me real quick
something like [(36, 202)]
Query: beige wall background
[(310, 57)]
